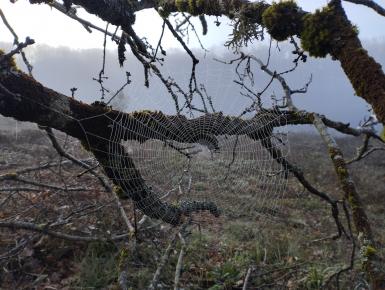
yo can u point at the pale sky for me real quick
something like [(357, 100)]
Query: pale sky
[(48, 26)]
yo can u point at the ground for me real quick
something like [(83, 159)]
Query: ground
[(288, 247)]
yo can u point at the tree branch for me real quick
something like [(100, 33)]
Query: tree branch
[(44, 230), (22, 98), (364, 73), (371, 4)]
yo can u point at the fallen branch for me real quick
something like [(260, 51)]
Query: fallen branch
[(246, 281), (179, 265), (44, 230), (162, 263)]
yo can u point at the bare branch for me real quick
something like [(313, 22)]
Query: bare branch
[(162, 263), (19, 45), (18, 49), (364, 151), (371, 4), (86, 24), (101, 179), (46, 231), (76, 161), (179, 265), (246, 281), (16, 177)]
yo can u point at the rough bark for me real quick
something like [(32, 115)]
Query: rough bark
[(371, 261), (364, 73)]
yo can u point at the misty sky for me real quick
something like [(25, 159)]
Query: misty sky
[(330, 92), (62, 68)]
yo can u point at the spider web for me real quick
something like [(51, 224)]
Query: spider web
[(232, 171)]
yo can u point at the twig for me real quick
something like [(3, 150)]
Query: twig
[(15, 189), (248, 274), (371, 4), (101, 179), (364, 150), (101, 76), (16, 250), (162, 263), (16, 50), (28, 41), (42, 229), (179, 265), (86, 24), (78, 162), (87, 170), (48, 166), (353, 252), (122, 280), (39, 184)]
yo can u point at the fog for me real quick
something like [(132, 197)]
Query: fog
[(330, 92)]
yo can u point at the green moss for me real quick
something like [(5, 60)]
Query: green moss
[(9, 63), (181, 5), (200, 3), (322, 30), (163, 12), (123, 255), (142, 113), (119, 192), (10, 175), (342, 172), (307, 117), (361, 85), (254, 11), (85, 145), (42, 226), (165, 8), (197, 7), (282, 20), (355, 29), (382, 134), (369, 251), (353, 202), (194, 7), (317, 33), (333, 152)]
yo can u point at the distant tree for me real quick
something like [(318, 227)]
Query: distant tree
[(325, 32)]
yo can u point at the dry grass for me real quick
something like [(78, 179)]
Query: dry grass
[(280, 243)]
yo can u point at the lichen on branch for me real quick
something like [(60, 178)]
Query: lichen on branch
[(322, 32), (283, 19)]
